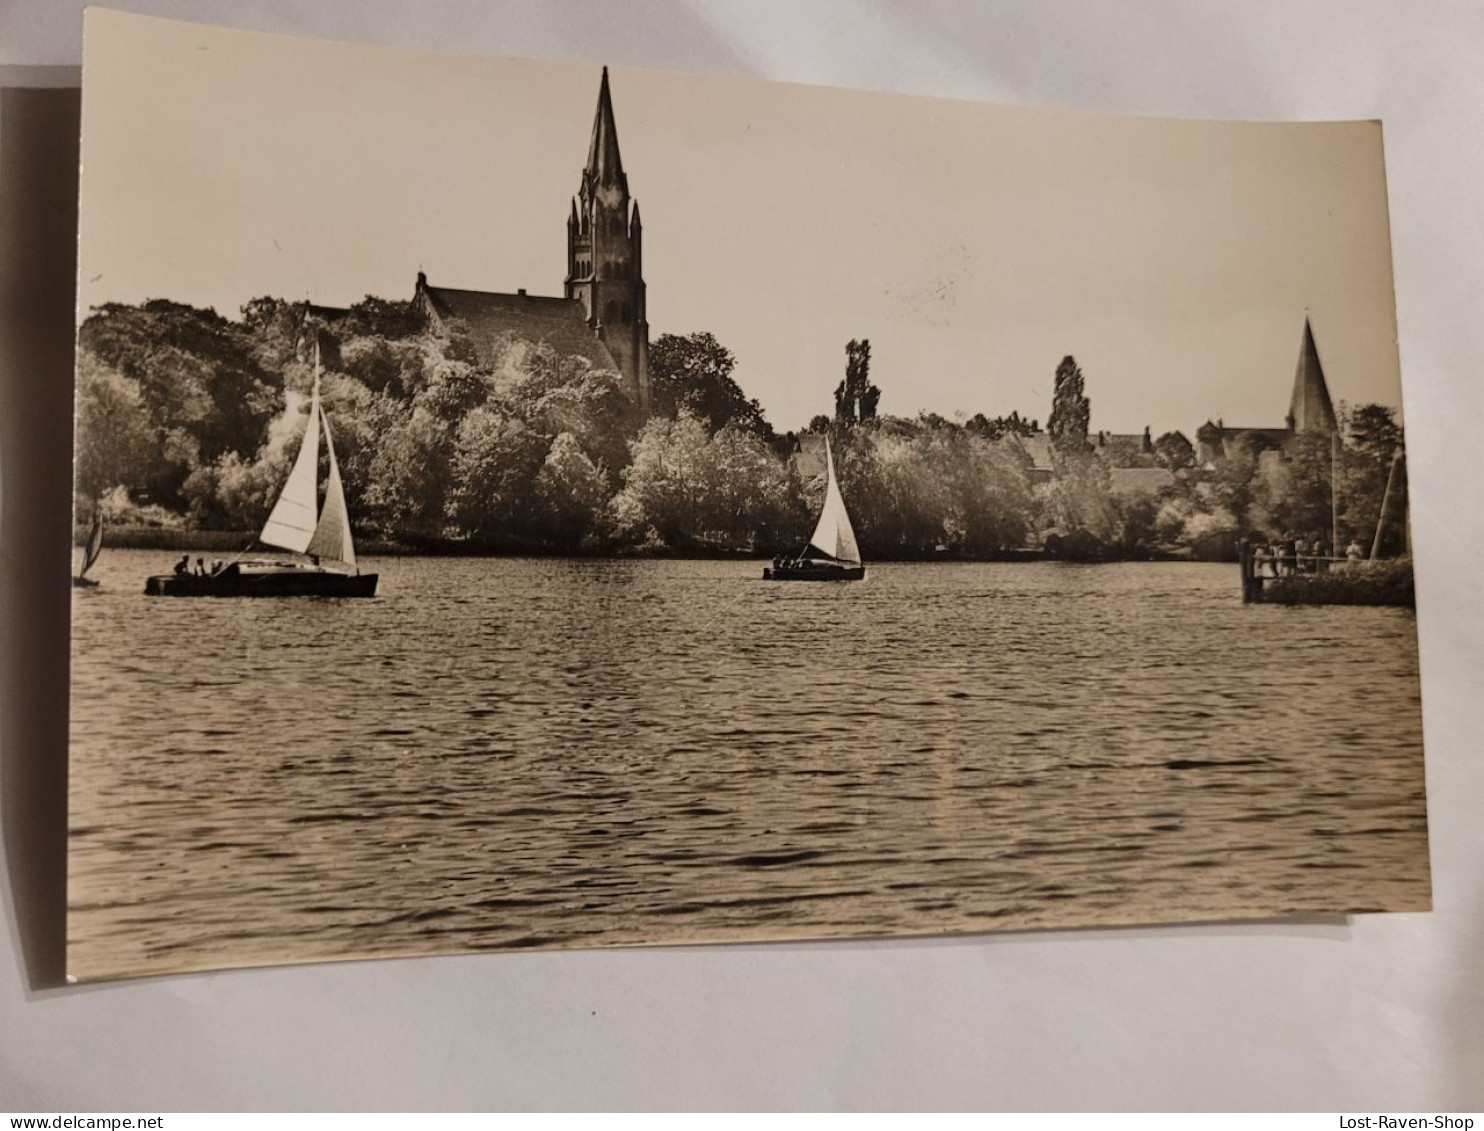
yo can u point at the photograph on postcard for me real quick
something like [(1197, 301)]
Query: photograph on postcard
[(930, 517)]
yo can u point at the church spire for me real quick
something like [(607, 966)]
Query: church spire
[(605, 255), (604, 166), (1310, 409)]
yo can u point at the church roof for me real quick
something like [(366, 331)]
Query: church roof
[(1140, 480), (1309, 409), (490, 316), (1277, 435), (604, 166), (1038, 446)]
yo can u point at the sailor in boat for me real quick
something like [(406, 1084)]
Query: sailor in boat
[(831, 553), (298, 524)]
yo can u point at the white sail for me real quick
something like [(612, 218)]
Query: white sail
[(332, 534), (291, 526), (94, 545), (833, 537)]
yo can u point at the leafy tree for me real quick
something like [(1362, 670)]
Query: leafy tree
[(1232, 486), (855, 397), (1174, 451), (1079, 496), (202, 391), (1071, 411), (992, 505), (1135, 525), (116, 444), (1299, 492), (901, 504), (411, 474), (571, 492), (275, 331), (1374, 440), (375, 363), (930, 486), (383, 318), (686, 488), (596, 410), (752, 499), (455, 390), (495, 460), (664, 489), (692, 373), (1372, 430), (1011, 425)]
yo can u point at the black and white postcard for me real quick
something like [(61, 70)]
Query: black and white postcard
[(922, 517)]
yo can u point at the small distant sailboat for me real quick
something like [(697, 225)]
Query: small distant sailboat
[(297, 524), (91, 549), (831, 554)]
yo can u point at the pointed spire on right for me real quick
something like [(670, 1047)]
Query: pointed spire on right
[(1310, 409), (604, 166)]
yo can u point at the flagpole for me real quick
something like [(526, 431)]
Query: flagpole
[(1385, 499), (1334, 494)]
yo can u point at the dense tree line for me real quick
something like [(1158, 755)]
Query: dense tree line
[(191, 419)]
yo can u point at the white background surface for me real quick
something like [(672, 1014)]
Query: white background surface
[(1380, 1013)]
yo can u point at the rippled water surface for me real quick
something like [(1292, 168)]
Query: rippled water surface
[(505, 753)]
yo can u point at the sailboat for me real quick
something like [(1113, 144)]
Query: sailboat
[(831, 553), (91, 549), (320, 535)]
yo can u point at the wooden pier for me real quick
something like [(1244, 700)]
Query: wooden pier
[(1259, 567)]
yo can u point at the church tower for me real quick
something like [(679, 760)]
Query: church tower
[(605, 254), (1309, 408)]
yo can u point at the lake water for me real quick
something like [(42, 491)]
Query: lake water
[(509, 753)]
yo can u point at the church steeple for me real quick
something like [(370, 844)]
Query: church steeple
[(1309, 408), (605, 255), (604, 165)]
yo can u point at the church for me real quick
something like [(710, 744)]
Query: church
[(1309, 410), (600, 317)]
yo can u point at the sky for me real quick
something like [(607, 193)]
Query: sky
[(974, 245)]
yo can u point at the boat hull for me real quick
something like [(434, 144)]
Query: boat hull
[(267, 583), (814, 572)]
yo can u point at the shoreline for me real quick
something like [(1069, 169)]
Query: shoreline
[(184, 539)]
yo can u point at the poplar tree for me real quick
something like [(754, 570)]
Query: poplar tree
[(855, 397)]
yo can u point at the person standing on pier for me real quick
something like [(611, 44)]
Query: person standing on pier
[(1289, 559)]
